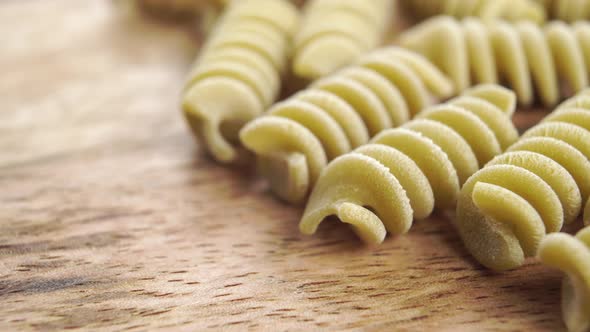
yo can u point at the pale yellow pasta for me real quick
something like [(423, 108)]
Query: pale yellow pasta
[(571, 255), (567, 10), (539, 184), (532, 60), (296, 138), (587, 213), (334, 33), (486, 9), (237, 74), (404, 173)]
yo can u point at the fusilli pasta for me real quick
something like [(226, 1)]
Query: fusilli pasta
[(506, 208), (334, 33), (295, 139), (405, 172), (512, 10), (571, 255), (522, 54), (237, 74)]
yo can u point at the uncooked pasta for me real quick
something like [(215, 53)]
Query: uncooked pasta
[(405, 172), (530, 59), (571, 255), (238, 72), (296, 138), (512, 10), (335, 33), (541, 183)]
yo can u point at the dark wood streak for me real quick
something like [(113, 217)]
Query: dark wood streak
[(96, 240)]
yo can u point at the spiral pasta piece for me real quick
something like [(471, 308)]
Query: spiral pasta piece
[(335, 33), (296, 138), (540, 183), (528, 58), (571, 255), (237, 73), (513, 10), (567, 10), (405, 172)]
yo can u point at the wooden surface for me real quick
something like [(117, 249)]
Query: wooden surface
[(111, 218)]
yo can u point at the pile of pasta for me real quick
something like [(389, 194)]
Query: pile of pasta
[(541, 183), (366, 142), (532, 60), (512, 10), (405, 172), (297, 137), (238, 72), (334, 33)]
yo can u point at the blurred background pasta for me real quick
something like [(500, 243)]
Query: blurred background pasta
[(238, 72), (545, 61), (511, 10)]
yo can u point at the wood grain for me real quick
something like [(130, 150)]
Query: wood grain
[(112, 219)]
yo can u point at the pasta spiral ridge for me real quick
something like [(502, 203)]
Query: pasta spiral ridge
[(405, 172), (335, 33), (486, 9), (567, 10), (238, 72), (532, 60), (540, 183), (571, 255), (296, 138)]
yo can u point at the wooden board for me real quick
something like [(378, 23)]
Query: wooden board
[(111, 218)]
